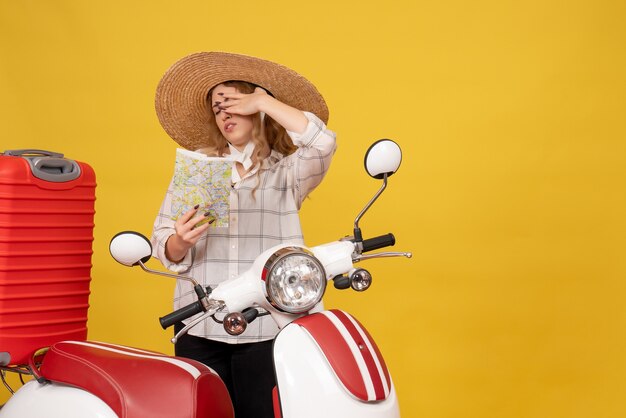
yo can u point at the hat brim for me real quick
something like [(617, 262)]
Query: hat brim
[(181, 94)]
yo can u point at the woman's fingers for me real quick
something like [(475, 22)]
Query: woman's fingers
[(197, 219), (187, 225), (194, 233), (242, 103), (188, 215)]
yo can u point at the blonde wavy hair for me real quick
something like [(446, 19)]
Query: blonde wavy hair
[(267, 134)]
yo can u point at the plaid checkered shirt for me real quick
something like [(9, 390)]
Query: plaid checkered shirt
[(256, 223)]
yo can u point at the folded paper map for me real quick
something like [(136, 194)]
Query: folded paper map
[(204, 181)]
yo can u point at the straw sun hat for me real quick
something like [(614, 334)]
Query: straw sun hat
[(181, 94)]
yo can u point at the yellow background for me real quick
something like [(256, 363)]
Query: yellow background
[(511, 193)]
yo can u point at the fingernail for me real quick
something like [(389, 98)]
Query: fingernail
[(211, 221), (196, 207), (207, 214)]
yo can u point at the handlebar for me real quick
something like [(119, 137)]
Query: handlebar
[(378, 242), (181, 314)]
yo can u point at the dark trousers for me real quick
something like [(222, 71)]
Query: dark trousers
[(246, 369)]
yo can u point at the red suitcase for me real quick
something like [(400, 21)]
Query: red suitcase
[(46, 234)]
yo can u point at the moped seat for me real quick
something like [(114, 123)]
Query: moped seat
[(137, 383)]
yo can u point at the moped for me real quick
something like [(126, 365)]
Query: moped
[(325, 361)]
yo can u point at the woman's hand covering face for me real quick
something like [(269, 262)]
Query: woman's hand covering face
[(241, 103)]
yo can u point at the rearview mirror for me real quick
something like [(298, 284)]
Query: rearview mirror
[(129, 248), (383, 157)]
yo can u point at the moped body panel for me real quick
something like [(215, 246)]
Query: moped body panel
[(315, 380), (35, 400)]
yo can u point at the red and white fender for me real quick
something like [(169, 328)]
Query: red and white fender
[(327, 365)]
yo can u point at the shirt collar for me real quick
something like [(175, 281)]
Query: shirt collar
[(244, 157)]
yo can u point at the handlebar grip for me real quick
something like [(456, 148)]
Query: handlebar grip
[(378, 242), (180, 314), (250, 314)]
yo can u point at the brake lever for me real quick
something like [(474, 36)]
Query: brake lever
[(359, 257)]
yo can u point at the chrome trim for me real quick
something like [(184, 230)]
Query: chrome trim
[(360, 257), (278, 256), (166, 274)]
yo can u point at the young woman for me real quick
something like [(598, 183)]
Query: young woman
[(271, 121)]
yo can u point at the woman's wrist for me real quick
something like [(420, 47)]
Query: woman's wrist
[(175, 251), (266, 103)]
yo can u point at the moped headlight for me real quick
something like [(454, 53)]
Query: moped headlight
[(295, 280)]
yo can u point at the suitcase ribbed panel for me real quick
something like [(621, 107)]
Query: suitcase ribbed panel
[(46, 236)]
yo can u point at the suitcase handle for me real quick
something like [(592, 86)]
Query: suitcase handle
[(32, 152), (48, 165), (57, 170)]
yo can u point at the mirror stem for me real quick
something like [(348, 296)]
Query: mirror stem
[(357, 231), (161, 273)]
